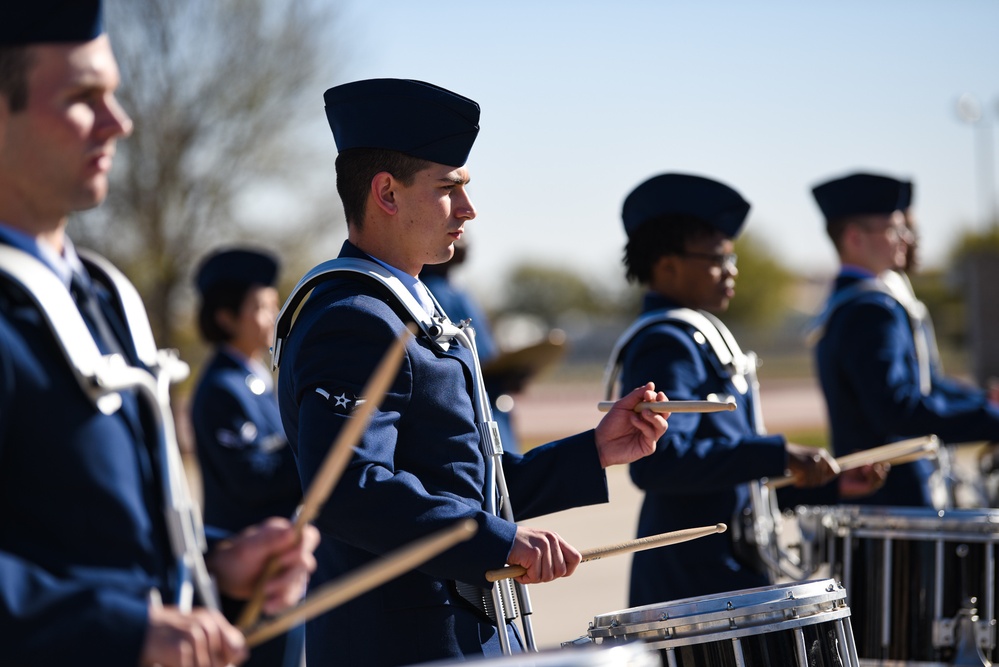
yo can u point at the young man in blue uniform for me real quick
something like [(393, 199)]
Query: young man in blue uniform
[(879, 381), (680, 231), (248, 472), (422, 462), (86, 572)]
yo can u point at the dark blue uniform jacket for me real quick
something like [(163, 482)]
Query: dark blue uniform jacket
[(82, 537), (691, 480), (247, 469), (418, 468), (870, 377)]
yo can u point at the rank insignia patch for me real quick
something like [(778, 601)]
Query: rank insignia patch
[(341, 399)]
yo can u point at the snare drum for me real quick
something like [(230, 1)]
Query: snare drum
[(804, 624), (920, 582)]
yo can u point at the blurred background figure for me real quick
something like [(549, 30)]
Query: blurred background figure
[(505, 373), (248, 471), (874, 342)]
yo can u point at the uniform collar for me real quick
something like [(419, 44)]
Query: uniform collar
[(852, 271), (64, 265), (656, 301), (412, 284)]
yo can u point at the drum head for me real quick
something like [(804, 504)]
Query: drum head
[(726, 615), (620, 655)]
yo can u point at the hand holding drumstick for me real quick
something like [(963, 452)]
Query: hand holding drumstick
[(523, 575)]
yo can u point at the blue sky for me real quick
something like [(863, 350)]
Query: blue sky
[(581, 101)]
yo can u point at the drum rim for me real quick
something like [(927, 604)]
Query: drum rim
[(798, 603), (901, 520)]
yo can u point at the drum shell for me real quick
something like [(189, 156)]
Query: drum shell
[(909, 572), (801, 624)]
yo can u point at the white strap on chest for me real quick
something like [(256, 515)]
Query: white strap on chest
[(101, 377), (437, 329), (740, 367), (130, 304), (94, 372), (896, 286), (716, 334)]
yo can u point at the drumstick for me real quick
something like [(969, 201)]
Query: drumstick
[(361, 580), (896, 453), (675, 406), (631, 546), (335, 462)]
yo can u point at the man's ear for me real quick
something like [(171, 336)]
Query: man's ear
[(226, 320), (665, 266), (383, 192)]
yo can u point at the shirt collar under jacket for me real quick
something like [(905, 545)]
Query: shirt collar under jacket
[(415, 287), (64, 266)]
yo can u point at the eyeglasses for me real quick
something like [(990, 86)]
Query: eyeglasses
[(722, 259), (903, 234)]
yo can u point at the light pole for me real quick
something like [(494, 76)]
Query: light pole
[(970, 111)]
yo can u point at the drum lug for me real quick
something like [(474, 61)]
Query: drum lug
[(985, 632), (943, 632)]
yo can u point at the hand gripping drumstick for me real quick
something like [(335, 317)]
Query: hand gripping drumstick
[(361, 580), (641, 544), (335, 462), (675, 406), (896, 453)]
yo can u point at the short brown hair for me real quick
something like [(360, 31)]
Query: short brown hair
[(355, 167), (15, 61)]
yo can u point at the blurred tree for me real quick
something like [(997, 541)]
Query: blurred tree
[(975, 269), (761, 289), (217, 91), (549, 293)]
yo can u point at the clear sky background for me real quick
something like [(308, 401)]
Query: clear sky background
[(582, 100)]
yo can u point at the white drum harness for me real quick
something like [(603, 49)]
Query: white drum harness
[(101, 378)]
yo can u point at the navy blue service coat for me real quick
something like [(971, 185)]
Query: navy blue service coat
[(248, 471), (82, 535), (418, 468), (869, 374), (692, 478)]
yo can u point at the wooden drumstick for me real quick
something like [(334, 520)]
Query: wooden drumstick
[(335, 462), (631, 546), (896, 453), (362, 580), (675, 406)]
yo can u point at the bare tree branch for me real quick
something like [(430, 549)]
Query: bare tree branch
[(218, 92)]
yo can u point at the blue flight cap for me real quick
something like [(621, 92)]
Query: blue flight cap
[(684, 194), (908, 195), (862, 194), (416, 118), (45, 21), (236, 267)]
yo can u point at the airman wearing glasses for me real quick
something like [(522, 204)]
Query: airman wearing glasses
[(873, 350), (680, 231)]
